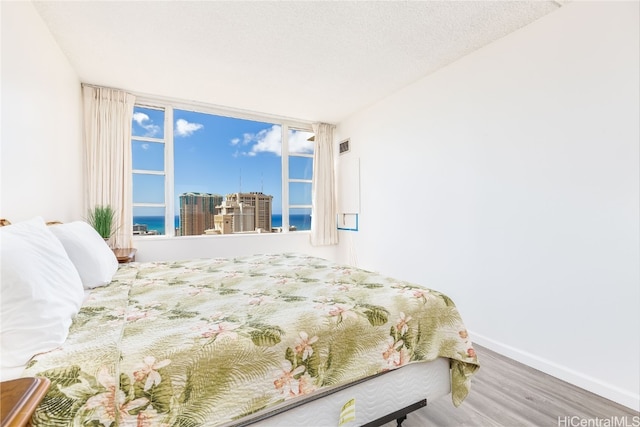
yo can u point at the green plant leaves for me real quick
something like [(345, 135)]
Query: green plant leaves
[(102, 219)]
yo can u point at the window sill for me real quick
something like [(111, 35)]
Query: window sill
[(219, 236)]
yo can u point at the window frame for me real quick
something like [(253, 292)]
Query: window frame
[(169, 105), (296, 180), (167, 164)]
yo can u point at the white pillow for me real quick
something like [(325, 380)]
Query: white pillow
[(40, 292), (91, 255)]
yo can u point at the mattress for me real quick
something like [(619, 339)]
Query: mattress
[(373, 399)]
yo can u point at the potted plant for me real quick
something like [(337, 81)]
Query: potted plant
[(102, 219)]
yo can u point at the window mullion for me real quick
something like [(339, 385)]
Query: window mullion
[(149, 205), (147, 172), (285, 178), (169, 199), (147, 139)]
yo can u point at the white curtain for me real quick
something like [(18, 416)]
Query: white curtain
[(324, 229), (107, 141)]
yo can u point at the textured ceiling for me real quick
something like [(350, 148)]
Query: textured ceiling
[(310, 60)]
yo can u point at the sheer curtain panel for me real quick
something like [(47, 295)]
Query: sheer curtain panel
[(107, 141), (324, 229)]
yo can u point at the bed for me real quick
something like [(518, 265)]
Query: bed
[(270, 339)]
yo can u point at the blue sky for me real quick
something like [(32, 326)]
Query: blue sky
[(216, 154)]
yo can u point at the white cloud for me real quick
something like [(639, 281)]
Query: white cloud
[(299, 142), (143, 121), (185, 128), (140, 118), (270, 141), (267, 141), (145, 146)]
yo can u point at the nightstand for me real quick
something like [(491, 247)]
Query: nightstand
[(125, 255), (20, 398)]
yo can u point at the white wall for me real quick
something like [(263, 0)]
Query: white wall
[(510, 181), (41, 149)]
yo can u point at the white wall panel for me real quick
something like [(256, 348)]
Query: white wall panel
[(510, 181), (41, 149), (165, 248)]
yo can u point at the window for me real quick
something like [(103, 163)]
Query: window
[(195, 172), (148, 148), (300, 174)]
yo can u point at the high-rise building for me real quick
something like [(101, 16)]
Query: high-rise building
[(197, 212), (223, 224), (262, 204), (235, 217)]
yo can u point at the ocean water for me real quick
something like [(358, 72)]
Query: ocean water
[(302, 222)]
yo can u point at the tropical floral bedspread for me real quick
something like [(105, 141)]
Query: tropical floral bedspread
[(209, 341)]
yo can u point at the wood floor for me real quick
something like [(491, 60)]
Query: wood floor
[(508, 393)]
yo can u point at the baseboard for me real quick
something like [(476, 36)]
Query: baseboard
[(608, 391)]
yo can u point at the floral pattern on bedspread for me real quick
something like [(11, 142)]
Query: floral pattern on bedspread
[(209, 341)]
